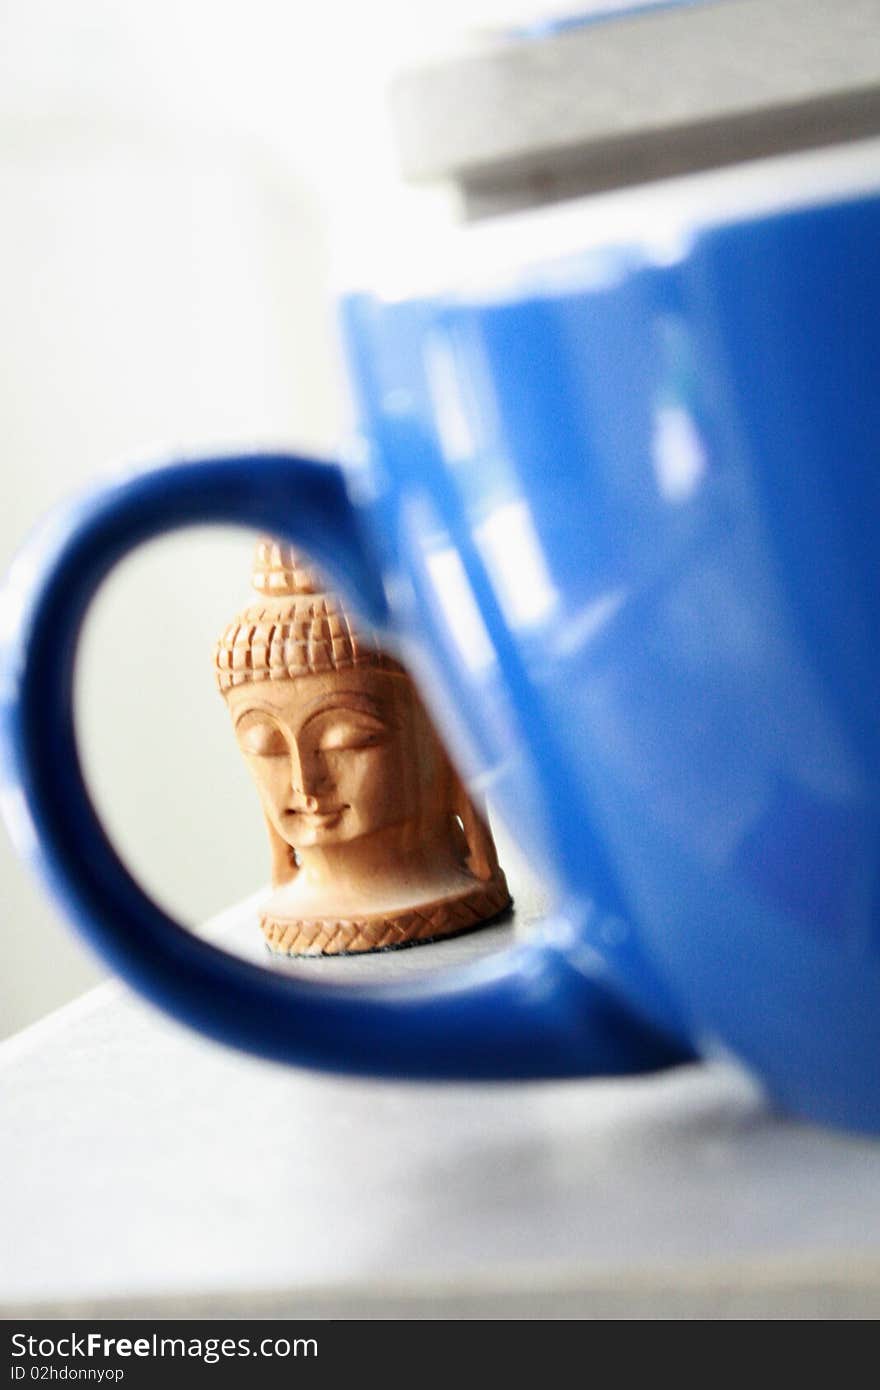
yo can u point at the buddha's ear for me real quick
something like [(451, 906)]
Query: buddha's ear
[(284, 865), (482, 857)]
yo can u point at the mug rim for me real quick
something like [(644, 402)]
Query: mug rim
[(488, 259)]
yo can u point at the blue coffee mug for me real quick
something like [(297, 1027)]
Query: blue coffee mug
[(618, 504)]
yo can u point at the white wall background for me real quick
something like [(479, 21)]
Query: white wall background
[(175, 180)]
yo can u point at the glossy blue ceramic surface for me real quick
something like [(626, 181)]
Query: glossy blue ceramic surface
[(600, 13), (621, 517)]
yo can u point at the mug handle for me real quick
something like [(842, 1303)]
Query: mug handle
[(526, 1012)]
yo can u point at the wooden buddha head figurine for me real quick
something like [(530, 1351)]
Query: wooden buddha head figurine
[(375, 842)]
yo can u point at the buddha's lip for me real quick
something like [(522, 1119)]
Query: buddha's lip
[(319, 817)]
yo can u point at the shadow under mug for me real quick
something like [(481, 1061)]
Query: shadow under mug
[(619, 510)]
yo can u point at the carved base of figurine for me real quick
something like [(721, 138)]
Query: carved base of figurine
[(425, 921)]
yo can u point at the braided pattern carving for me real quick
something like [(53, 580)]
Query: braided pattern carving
[(278, 569), (306, 637), (342, 936)]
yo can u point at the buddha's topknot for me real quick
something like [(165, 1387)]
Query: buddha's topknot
[(295, 629)]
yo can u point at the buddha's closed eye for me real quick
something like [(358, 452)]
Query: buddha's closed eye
[(350, 732), (261, 738)]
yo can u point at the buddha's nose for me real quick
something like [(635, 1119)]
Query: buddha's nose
[(307, 776)]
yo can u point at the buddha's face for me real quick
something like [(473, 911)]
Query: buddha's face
[(335, 756)]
